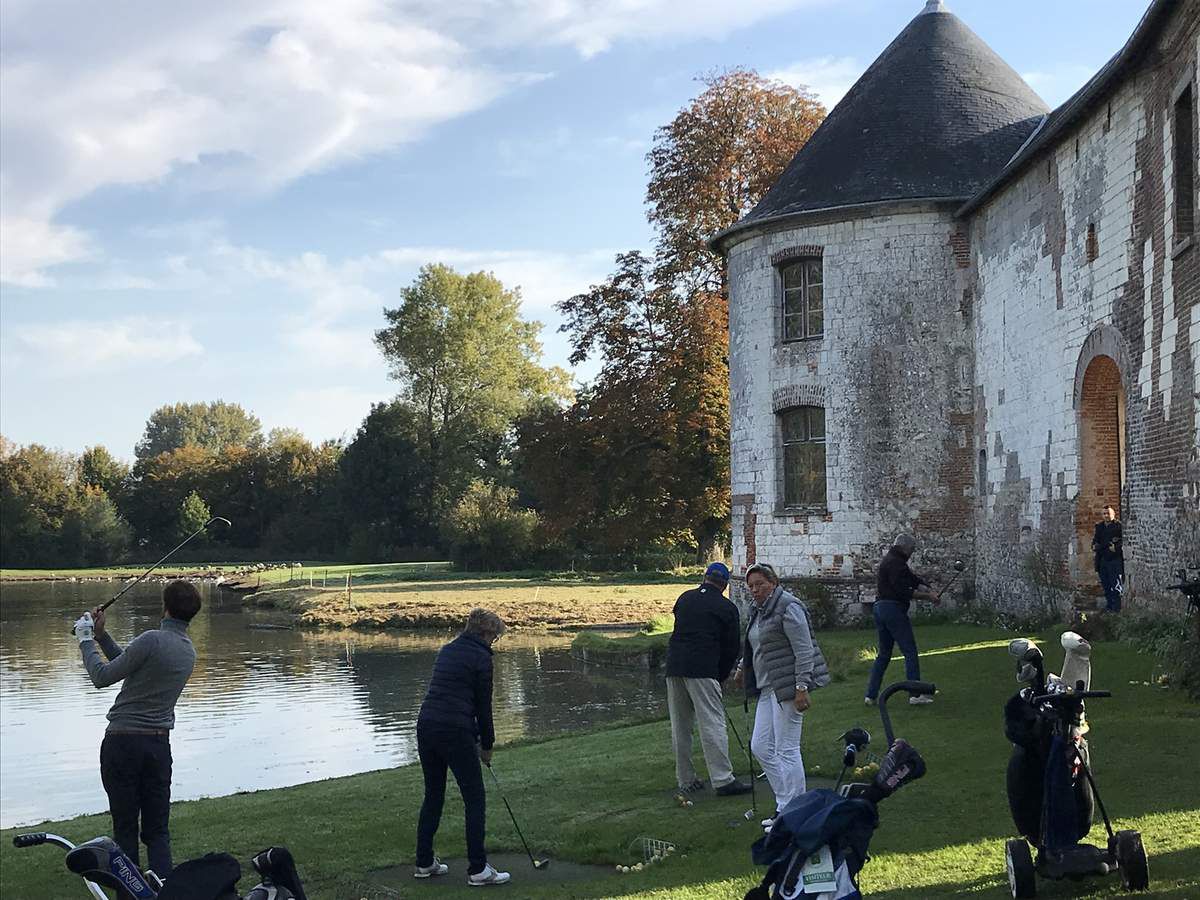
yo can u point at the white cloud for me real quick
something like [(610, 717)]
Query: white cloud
[(81, 347), (250, 94), (323, 412), (829, 77)]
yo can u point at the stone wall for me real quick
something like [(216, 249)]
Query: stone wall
[(894, 373), (1081, 286)]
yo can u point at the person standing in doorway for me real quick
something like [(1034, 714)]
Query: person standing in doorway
[(135, 756), (701, 653), (455, 731), (1110, 559), (895, 588), (781, 666)]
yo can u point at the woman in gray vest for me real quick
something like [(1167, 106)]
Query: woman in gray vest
[(781, 664)]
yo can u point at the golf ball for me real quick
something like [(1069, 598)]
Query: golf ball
[(618, 867), (625, 869)]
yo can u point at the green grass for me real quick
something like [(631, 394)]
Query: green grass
[(584, 797)]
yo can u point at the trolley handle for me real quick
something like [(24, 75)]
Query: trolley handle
[(915, 688), (1066, 696), (34, 838)]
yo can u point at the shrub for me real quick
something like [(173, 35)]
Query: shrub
[(486, 530), (1174, 644)]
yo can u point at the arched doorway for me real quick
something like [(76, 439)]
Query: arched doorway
[(1102, 458)]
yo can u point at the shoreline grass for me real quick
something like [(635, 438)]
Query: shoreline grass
[(584, 797)]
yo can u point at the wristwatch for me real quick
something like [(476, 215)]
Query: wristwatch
[(802, 688)]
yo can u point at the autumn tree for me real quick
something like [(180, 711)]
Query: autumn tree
[(660, 322)]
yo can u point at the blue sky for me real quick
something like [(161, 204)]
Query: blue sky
[(216, 199)]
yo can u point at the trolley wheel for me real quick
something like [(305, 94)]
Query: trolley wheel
[(1022, 877), (1131, 857)]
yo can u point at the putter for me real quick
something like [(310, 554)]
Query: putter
[(537, 863), (748, 814), (959, 568)]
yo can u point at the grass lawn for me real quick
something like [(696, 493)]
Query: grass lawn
[(523, 602), (586, 797)]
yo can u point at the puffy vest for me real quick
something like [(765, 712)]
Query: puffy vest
[(778, 653)]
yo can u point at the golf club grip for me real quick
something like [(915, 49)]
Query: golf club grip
[(29, 840)]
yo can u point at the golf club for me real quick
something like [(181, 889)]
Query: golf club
[(856, 741), (537, 863), (749, 759), (228, 524), (959, 568)]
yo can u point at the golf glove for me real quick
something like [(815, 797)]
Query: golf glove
[(85, 628)]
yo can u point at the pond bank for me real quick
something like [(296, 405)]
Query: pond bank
[(588, 798), (445, 603)]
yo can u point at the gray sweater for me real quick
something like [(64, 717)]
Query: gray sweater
[(781, 650), (155, 666)]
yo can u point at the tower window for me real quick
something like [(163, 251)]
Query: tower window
[(803, 429), (1185, 166), (803, 300)]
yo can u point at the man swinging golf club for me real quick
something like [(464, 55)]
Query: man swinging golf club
[(896, 587), (455, 732), (702, 652), (135, 756)]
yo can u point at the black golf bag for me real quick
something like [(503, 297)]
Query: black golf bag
[(1039, 759)]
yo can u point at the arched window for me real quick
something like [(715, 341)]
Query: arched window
[(803, 431)]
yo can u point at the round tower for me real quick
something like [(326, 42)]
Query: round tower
[(851, 356)]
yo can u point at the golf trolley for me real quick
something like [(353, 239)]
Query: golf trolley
[(818, 843), (102, 864), (1052, 793)]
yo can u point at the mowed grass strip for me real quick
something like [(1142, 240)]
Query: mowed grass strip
[(586, 797), (444, 603)]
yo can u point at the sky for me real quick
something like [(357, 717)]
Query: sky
[(216, 199)]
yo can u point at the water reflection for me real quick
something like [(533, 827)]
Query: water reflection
[(265, 707)]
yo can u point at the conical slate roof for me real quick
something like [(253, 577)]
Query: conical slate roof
[(937, 115)]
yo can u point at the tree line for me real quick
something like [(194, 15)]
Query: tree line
[(485, 454)]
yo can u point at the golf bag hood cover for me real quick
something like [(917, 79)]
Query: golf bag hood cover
[(211, 877), (102, 861), (281, 881), (817, 818)]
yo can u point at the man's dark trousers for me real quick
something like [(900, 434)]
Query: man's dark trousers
[(1110, 571), (439, 749), (893, 626), (136, 772)]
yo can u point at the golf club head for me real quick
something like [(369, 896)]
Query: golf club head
[(541, 863), (960, 566), (748, 815)]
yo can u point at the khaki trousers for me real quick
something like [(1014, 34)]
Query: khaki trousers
[(692, 700)]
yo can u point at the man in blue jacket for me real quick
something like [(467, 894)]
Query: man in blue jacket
[(455, 732), (703, 649)]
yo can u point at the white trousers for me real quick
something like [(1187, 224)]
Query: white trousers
[(776, 744)]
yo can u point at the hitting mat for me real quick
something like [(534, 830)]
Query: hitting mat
[(398, 881)]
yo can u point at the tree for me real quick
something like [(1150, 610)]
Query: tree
[(94, 534), (486, 530), (99, 468), (659, 410), (468, 366), (211, 426), (37, 491), (193, 514)]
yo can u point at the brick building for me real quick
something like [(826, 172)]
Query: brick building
[(961, 314)]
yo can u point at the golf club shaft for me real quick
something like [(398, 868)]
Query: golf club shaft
[(947, 585), (749, 759), (164, 559), (511, 815)]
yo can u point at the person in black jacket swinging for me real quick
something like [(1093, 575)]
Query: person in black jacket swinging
[(702, 651), (455, 731)]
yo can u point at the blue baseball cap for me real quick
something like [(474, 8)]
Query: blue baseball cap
[(717, 572)]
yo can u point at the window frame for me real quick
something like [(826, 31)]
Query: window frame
[(785, 503), (804, 262)]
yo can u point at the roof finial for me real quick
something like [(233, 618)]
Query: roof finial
[(933, 6)]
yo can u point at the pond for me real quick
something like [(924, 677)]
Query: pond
[(265, 707)]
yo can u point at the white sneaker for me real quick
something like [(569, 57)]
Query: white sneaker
[(769, 823), (489, 875), (438, 868), (868, 701), (920, 700)]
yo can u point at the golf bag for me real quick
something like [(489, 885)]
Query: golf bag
[(813, 821), (1040, 760)]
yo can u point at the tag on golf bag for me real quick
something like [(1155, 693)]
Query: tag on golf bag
[(102, 861), (213, 876)]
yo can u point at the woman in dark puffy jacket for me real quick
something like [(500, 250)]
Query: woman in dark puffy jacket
[(455, 732), (781, 665)]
